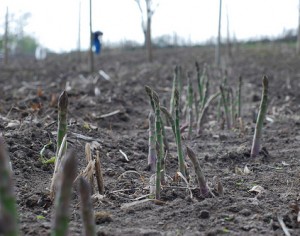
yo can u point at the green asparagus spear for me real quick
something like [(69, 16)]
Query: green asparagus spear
[(62, 119), (87, 212), (159, 139), (260, 118), (152, 149), (178, 136), (8, 209), (63, 196)]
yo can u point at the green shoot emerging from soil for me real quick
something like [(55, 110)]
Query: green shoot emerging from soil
[(190, 106), (87, 212), (199, 173), (225, 104), (63, 196), (62, 119), (8, 210), (240, 97), (178, 136), (152, 149), (260, 118), (159, 139)]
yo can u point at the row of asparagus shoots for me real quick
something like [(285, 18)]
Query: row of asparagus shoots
[(158, 137), (232, 103), (196, 106)]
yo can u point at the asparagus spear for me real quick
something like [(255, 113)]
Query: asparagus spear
[(190, 107), (8, 209), (159, 139), (170, 119), (225, 104), (152, 152), (87, 213), (62, 120), (175, 86), (260, 118), (63, 196), (199, 173), (240, 97), (178, 136), (199, 81)]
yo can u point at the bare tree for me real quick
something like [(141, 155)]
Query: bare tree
[(79, 31), (91, 41), (298, 37), (146, 26), (6, 38), (219, 36), (229, 44)]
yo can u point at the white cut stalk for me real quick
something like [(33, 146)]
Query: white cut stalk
[(124, 154), (187, 183)]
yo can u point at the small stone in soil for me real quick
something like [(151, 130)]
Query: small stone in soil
[(245, 212), (102, 217), (204, 214)]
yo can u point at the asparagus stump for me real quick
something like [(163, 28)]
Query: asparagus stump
[(260, 118), (87, 213), (8, 210), (62, 199), (99, 175)]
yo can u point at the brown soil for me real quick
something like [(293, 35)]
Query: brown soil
[(28, 122)]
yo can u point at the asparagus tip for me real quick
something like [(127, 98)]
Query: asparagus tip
[(63, 100)]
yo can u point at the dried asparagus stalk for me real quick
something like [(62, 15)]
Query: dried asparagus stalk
[(178, 136), (8, 209), (225, 104), (152, 144), (62, 120), (159, 139), (199, 173), (240, 97), (88, 157), (98, 172), (62, 199), (260, 118), (87, 212), (204, 111)]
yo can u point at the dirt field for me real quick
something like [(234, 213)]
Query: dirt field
[(28, 115)]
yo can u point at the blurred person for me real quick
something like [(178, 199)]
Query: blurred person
[(97, 41)]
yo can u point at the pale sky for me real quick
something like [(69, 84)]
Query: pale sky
[(55, 22)]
